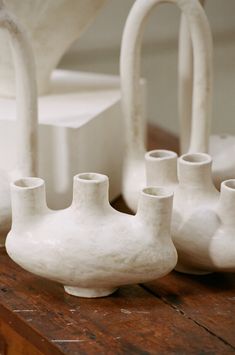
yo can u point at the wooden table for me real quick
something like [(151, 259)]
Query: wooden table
[(177, 314)]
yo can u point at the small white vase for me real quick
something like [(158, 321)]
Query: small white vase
[(134, 172), (203, 223), (26, 107), (89, 247), (52, 26), (221, 147)]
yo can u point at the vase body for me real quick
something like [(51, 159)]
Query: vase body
[(203, 227), (52, 26), (89, 247)]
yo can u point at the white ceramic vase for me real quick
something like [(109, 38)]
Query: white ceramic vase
[(26, 102), (221, 147), (89, 247), (134, 171), (52, 26), (203, 223)]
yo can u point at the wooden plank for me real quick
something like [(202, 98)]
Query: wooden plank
[(208, 300), (3, 345), (132, 321), (14, 344)]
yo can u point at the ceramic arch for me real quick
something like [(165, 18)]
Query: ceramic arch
[(221, 147), (90, 247), (134, 173), (26, 101)]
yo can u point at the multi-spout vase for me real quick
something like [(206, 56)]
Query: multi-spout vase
[(90, 247), (203, 222)]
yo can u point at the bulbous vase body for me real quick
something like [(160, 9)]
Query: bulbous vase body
[(91, 248), (203, 227), (52, 26)]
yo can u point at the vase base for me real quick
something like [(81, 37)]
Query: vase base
[(186, 270), (89, 292)]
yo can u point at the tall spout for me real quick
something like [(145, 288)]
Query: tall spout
[(155, 209), (28, 200), (90, 192), (161, 168), (226, 207)]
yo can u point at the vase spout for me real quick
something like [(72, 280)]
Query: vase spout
[(155, 209), (161, 168), (90, 193), (28, 200), (226, 205)]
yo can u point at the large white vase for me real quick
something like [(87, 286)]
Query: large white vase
[(52, 26), (134, 170)]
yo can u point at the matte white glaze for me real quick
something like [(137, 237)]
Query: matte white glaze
[(89, 247), (221, 147), (203, 223), (134, 172), (26, 107)]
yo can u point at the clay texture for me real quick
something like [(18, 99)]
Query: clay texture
[(203, 219), (26, 107), (221, 147), (89, 247), (134, 172)]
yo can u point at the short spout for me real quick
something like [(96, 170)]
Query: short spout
[(155, 209), (90, 192), (28, 200), (226, 206), (161, 168), (194, 170)]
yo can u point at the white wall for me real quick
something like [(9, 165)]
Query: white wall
[(98, 51)]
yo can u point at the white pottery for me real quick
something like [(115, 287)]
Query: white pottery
[(26, 107), (221, 147), (90, 247), (52, 26), (203, 223), (134, 172)]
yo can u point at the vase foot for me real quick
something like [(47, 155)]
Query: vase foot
[(186, 270), (89, 292)]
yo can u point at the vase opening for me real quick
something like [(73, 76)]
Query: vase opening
[(91, 177), (157, 191), (28, 183), (161, 154), (198, 158), (229, 184)]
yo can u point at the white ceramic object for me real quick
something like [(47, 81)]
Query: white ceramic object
[(221, 147), (203, 223), (134, 172), (26, 107), (52, 26), (79, 104), (89, 247)]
